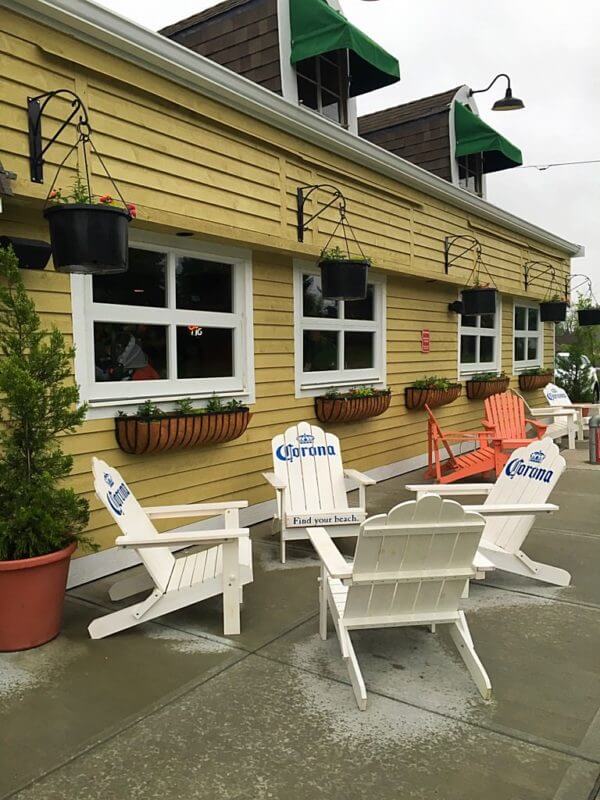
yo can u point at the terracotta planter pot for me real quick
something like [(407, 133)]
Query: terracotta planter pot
[(32, 594), (529, 383), (479, 390), (417, 398), (177, 432), (351, 409)]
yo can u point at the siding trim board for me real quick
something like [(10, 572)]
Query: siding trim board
[(153, 52)]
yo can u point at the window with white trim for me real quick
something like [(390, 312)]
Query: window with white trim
[(527, 336), (479, 337), (337, 343), (176, 324)]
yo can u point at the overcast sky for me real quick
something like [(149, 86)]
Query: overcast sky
[(551, 50)]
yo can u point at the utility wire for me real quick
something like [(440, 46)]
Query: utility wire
[(542, 167)]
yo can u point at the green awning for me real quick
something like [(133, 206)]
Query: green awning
[(318, 29), (474, 136)]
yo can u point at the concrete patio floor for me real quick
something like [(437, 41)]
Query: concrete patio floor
[(172, 709)]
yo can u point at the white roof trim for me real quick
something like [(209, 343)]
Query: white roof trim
[(152, 51)]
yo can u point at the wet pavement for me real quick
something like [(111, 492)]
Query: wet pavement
[(172, 709)]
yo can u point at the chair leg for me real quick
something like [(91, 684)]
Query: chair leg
[(356, 678), (323, 604), (461, 636), (520, 564), (231, 589), (282, 548), (126, 618)]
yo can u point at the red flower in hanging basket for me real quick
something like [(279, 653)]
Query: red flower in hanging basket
[(106, 200), (132, 208)]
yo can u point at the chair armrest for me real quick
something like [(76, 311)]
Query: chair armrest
[(331, 558), (513, 443), (193, 509), (512, 509), (553, 411), (275, 482), (540, 426), (449, 490), (357, 476), (184, 539)]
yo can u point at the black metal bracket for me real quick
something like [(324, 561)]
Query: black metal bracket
[(472, 246), (35, 109), (585, 281), (542, 267), (303, 194)]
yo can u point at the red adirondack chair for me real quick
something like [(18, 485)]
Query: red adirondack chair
[(454, 467), (506, 424)]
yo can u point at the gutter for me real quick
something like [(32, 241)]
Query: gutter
[(152, 51)]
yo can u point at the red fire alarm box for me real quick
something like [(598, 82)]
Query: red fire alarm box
[(425, 341)]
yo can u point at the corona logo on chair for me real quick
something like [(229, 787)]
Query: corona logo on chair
[(289, 452), (117, 499), (518, 467)]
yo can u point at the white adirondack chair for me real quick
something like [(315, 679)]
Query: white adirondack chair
[(521, 492), (558, 398), (561, 422), (223, 567), (410, 568), (310, 486)]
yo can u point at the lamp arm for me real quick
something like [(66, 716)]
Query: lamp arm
[(487, 88)]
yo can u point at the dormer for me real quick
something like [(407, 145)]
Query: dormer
[(305, 50), (445, 135)]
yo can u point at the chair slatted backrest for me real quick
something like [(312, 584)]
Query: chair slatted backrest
[(556, 396), (436, 432), (413, 560), (310, 462), (131, 518), (530, 475), (506, 412)]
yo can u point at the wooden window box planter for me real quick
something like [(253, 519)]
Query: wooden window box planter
[(479, 390), (418, 398), (351, 409), (529, 383), (140, 436)]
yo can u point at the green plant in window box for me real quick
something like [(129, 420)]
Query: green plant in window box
[(485, 384), (432, 391), (149, 410), (358, 403), (535, 378)]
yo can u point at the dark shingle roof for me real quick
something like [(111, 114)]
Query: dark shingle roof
[(407, 112), (203, 16)]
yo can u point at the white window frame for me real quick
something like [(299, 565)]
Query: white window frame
[(104, 398), (311, 384), (467, 370), (519, 366)]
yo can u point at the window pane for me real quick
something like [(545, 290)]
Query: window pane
[(468, 349), (314, 304), (520, 318), (142, 285), (358, 350), (487, 320), (330, 74), (532, 349), (532, 314), (320, 351), (307, 93), (307, 68), (361, 309), (330, 106), (486, 349), (124, 352), (204, 352), (468, 322), (519, 348), (204, 285)]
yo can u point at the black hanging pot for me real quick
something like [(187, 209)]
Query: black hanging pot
[(344, 278), (478, 301), (589, 316), (553, 311), (88, 239)]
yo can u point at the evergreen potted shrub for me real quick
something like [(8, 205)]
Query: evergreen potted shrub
[(89, 235), (485, 384), (553, 310), (537, 378), (343, 277), (356, 404), (151, 430), (41, 520), (479, 299), (432, 391)]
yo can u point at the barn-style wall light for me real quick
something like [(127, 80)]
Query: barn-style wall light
[(506, 103)]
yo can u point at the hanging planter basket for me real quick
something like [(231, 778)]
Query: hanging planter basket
[(88, 239), (529, 383), (418, 398), (553, 311), (141, 436), (344, 278), (349, 408), (479, 390), (589, 316), (479, 301)]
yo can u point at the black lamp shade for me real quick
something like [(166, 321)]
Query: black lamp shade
[(508, 103), (32, 253)]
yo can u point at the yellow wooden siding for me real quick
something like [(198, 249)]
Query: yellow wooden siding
[(191, 163)]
